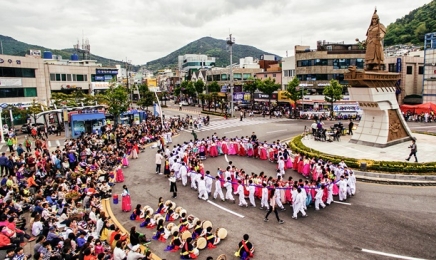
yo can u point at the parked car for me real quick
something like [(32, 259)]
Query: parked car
[(38, 126), (184, 103)]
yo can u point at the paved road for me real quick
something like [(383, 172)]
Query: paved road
[(391, 219)]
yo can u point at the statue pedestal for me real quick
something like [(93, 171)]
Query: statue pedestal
[(382, 123)]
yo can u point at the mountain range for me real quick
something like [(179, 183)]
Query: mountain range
[(17, 48), (412, 27), (211, 47)]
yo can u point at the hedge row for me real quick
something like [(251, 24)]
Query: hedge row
[(377, 166)]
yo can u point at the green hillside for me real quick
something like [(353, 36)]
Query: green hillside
[(209, 46), (412, 27), (14, 47)]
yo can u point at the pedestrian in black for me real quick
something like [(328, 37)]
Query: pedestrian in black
[(173, 184), (272, 206), (413, 150), (350, 127)]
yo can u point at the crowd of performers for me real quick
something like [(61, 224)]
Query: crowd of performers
[(319, 183), (188, 236)]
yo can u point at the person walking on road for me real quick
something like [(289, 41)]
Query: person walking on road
[(272, 207), (158, 161), (350, 127), (173, 184), (241, 115), (413, 150), (194, 135)]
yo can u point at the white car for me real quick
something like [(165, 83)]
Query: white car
[(184, 103)]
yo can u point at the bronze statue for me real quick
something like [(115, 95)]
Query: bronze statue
[(374, 55)]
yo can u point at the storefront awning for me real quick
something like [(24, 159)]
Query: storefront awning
[(87, 117)]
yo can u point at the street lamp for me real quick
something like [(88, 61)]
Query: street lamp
[(230, 42)]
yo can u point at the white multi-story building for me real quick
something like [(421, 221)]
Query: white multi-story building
[(190, 62), (248, 63), (288, 70)]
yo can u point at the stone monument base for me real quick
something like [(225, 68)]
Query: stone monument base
[(382, 123)]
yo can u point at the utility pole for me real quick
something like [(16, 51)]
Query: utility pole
[(230, 42)]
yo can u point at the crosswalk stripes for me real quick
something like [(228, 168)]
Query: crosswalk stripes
[(216, 125)]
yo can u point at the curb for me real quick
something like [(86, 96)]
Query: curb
[(396, 179)]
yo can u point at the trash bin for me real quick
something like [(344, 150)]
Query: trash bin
[(115, 198), (363, 166)]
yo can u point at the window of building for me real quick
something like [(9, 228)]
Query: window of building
[(360, 63), (274, 75), (52, 77), (64, 77), (237, 76), (58, 77), (421, 70), (224, 77), (17, 72), (209, 78), (341, 63), (392, 67), (68, 77), (216, 77), (409, 70), (74, 77), (321, 77), (17, 92), (246, 76), (286, 73), (320, 62)]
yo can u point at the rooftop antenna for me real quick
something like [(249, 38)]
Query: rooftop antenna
[(85, 49)]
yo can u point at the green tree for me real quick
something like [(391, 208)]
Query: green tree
[(201, 97), (251, 86), (34, 110), (214, 97), (208, 98), (293, 92), (117, 100), (199, 86), (142, 89), (332, 93), (147, 99), (214, 87), (268, 87)]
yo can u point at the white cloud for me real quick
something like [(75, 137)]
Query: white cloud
[(147, 30)]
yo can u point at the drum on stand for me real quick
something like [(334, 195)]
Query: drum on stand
[(170, 226), (155, 217), (222, 257), (178, 209)]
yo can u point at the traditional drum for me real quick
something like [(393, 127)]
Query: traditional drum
[(170, 226), (168, 202), (196, 252), (155, 217), (191, 219), (222, 257), (173, 205), (186, 234), (178, 209), (174, 229), (201, 243), (221, 233), (182, 211), (206, 223)]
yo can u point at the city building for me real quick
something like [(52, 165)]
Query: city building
[(248, 63), (273, 72), (22, 80), (316, 67), (410, 65), (429, 79), (193, 62), (32, 77), (67, 76), (288, 70), (240, 75)]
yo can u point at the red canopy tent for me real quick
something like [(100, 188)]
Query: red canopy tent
[(418, 109)]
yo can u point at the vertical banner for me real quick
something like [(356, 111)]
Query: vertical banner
[(398, 65)]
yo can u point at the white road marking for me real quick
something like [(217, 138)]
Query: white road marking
[(49, 143), (233, 131), (225, 209), (225, 156), (340, 202), (389, 255), (58, 143), (1, 146), (277, 131)]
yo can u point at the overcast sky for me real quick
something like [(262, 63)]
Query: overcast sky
[(144, 30)]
